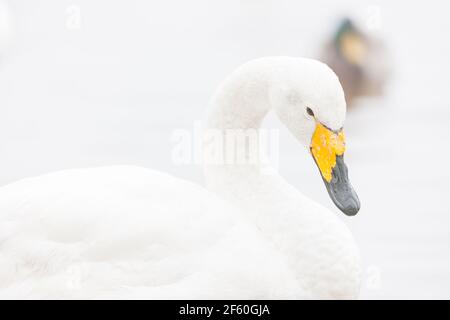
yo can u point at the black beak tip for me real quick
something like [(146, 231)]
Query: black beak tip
[(350, 207), (341, 191)]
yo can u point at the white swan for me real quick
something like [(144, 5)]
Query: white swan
[(129, 232)]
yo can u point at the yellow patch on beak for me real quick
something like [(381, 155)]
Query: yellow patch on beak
[(325, 146)]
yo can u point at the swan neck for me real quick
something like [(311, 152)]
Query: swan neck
[(242, 100)]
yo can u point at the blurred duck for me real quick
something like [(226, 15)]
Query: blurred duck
[(360, 61)]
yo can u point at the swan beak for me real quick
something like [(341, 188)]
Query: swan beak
[(327, 149)]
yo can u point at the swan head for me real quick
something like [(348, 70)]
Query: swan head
[(310, 102)]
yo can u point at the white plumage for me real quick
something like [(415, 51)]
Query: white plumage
[(129, 232)]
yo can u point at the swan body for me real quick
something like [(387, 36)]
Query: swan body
[(129, 232)]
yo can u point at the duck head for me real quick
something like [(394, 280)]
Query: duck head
[(350, 43)]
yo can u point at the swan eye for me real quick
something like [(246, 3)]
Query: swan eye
[(309, 111)]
